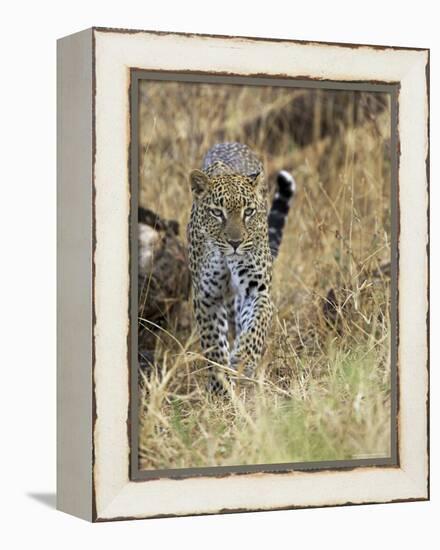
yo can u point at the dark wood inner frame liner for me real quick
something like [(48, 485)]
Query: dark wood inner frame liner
[(136, 474)]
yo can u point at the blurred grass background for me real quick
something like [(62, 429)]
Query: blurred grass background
[(323, 388)]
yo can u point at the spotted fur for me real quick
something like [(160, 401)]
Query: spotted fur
[(231, 255)]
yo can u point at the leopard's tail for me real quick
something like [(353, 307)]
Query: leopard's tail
[(282, 201)]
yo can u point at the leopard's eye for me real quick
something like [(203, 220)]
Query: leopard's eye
[(216, 212), (249, 212)]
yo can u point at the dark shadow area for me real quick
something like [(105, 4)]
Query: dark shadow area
[(48, 499)]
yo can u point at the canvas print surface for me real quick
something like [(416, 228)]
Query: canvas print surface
[(264, 275)]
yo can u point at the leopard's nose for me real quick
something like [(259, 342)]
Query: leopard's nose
[(234, 244)]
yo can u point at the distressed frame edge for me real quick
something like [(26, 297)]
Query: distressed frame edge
[(231, 511), (428, 260), (305, 42)]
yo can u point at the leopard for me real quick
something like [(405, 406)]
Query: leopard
[(233, 240)]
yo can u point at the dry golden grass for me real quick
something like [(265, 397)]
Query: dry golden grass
[(323, 388)]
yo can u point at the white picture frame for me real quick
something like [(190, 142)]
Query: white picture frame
[(94, 210)]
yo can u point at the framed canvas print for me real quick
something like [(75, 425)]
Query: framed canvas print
[(242, 274)]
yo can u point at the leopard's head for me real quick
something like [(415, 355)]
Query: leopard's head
[(231, 210)]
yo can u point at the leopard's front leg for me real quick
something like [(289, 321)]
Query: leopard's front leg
[(251, 279), (210, 283), (212, 322), (255, 317)]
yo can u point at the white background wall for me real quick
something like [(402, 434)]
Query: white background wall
[(27, 252)]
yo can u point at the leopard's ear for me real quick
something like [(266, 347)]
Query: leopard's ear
[(199, 183), (259, 182)]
